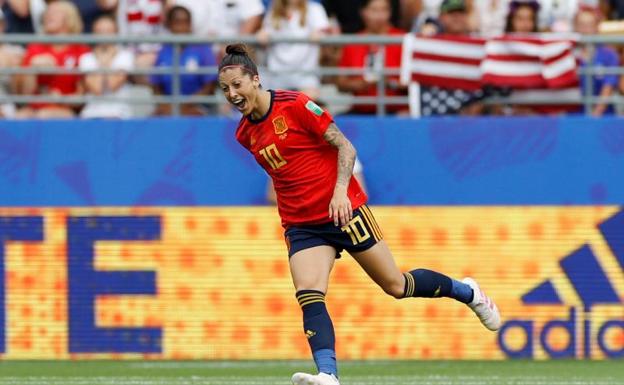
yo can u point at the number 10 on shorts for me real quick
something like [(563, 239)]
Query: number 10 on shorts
[(356, 230)]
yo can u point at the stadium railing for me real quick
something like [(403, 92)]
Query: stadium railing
[(177, 99)]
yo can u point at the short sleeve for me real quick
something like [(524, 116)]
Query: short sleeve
[(250, 8), (88, 62), (317, 17), (157, 79), (346, 59), (311, 116), (610, 59), (124, 61), (31, 51)]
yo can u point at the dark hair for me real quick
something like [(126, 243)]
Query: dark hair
[(514, 5), (106, 16), (173, 10), (364, 3), (236, 55)]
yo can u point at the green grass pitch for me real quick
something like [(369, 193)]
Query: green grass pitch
[(279, 372)]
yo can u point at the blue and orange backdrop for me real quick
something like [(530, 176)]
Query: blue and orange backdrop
[(152, 239)]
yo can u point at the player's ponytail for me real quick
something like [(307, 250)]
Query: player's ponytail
[(236, 55)]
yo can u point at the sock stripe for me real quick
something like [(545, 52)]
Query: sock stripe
[(305, 303), (302, 296), (301, 301), (306, 297), (410, 285), (309, 298), (375, 225), (370, 225)]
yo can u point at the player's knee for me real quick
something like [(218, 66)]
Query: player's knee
[(311, 285), (395, 288)]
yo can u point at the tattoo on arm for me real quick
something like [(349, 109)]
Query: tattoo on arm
[(346, 153)]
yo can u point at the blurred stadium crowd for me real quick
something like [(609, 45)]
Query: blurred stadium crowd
[(268, 20)]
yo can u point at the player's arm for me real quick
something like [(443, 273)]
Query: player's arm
[(340, 209)]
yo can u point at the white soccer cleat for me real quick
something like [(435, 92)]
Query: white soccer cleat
[(483, 306), (312, 379)]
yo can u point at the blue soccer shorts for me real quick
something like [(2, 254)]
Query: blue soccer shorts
[(360, 234)]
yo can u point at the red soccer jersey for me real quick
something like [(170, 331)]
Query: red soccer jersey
[(366, 55), (288, 143), (67, 57)]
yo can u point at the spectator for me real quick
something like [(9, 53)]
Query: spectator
[(454, 17), (10, 56), (113, 85), (429, 27), (428, 12), (410, 12), (24, 16), (586, 23), (445, 101), (376, 16), (141, 18), (91, 10), (294, 18), (193, 57), (557, 15), (488, 16), (60, 18), (224, 18), (350, 21), (614, 8), (522, 17)]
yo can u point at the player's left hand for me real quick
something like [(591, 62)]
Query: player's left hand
[(340, 210)]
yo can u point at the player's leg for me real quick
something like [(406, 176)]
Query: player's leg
[(376, 259), (379, 264), (310, 269)]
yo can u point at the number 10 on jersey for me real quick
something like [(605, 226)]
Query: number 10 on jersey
[(272, 156)]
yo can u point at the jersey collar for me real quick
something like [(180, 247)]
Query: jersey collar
[(263, 118)]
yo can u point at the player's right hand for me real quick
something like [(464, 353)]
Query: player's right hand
[(340, 210)]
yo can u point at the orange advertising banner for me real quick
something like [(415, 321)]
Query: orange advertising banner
[(214, 283)]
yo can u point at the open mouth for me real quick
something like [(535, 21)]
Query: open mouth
[(240, 104)]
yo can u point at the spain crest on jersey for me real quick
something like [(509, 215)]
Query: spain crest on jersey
[(280, 126)]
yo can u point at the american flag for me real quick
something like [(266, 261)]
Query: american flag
[(537, 67), (468, 63), (452, 62), (529, 63)]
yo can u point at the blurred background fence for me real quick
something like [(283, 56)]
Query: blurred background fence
[(143, 100)]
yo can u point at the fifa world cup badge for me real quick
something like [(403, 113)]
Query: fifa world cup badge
[(315, 108)]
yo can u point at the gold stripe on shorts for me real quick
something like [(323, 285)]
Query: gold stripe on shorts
[(410, 285), (374, 225), (369, 224)]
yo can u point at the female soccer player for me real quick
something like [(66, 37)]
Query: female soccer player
[(323, 208)]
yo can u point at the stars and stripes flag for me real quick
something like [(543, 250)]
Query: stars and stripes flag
[(468, 63), (452, 62)]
